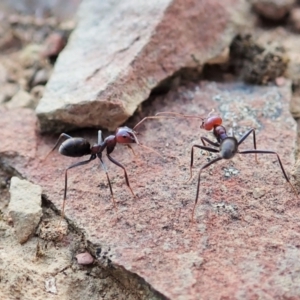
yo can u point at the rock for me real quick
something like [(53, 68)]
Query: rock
[(37, 92), (280, 81), (30, 55), (3, 74), (25, 207), (50, 285), (41, 77), (150, 237), (54, 44), (18, 128), (84, 258), (258, 193), (13, 68), (9, 41), (257, 62), (112, 63), (21, 99), (273, 10), (294, 19), (8, 90), (290, 42), (222, 58), (295, 106)]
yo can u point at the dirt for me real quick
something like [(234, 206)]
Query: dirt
[(35, 269)]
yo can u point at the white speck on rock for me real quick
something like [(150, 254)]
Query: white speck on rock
[(50, 286)]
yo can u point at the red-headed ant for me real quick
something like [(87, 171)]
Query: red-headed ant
[(226, 146), (77, 147)]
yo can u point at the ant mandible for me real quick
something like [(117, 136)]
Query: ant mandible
[(78, 147), (226, 146)]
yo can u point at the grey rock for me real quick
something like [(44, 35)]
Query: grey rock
[(21, 99), (24, 207), (121, 50)]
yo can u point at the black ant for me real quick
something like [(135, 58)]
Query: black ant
[(77, 147), (226, 146)]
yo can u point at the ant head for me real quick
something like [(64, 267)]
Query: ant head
[(211, 122), (125, 135)]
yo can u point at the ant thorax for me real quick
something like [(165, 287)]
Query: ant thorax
[(220, 133), (96, 148)]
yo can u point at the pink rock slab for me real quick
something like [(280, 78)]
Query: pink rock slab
[(245, 241)]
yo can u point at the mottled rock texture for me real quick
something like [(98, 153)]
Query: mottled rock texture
[(244, 243), (120, 51)]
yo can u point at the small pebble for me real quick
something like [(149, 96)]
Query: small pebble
[(84, 258)]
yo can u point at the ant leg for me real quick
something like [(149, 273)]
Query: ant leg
[(100, 137), (63, 135), (125, 173), (169, 113), (242, 139), (109, 183), (93, 156), (203, 138), (279, 160), (198, 185), (209, 149)]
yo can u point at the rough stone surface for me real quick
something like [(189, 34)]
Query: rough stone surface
[(25, 207), (120, 51), (244, 243), (273, 9), (291, 43), (258, 62)]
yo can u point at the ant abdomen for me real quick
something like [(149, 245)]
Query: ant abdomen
[(75, 147), (228, 147), (209, 123)]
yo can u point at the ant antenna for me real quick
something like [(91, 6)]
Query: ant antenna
[(151, 149), (175, 114)]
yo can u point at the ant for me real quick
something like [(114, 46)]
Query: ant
[(227, 147), (78, 147)]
